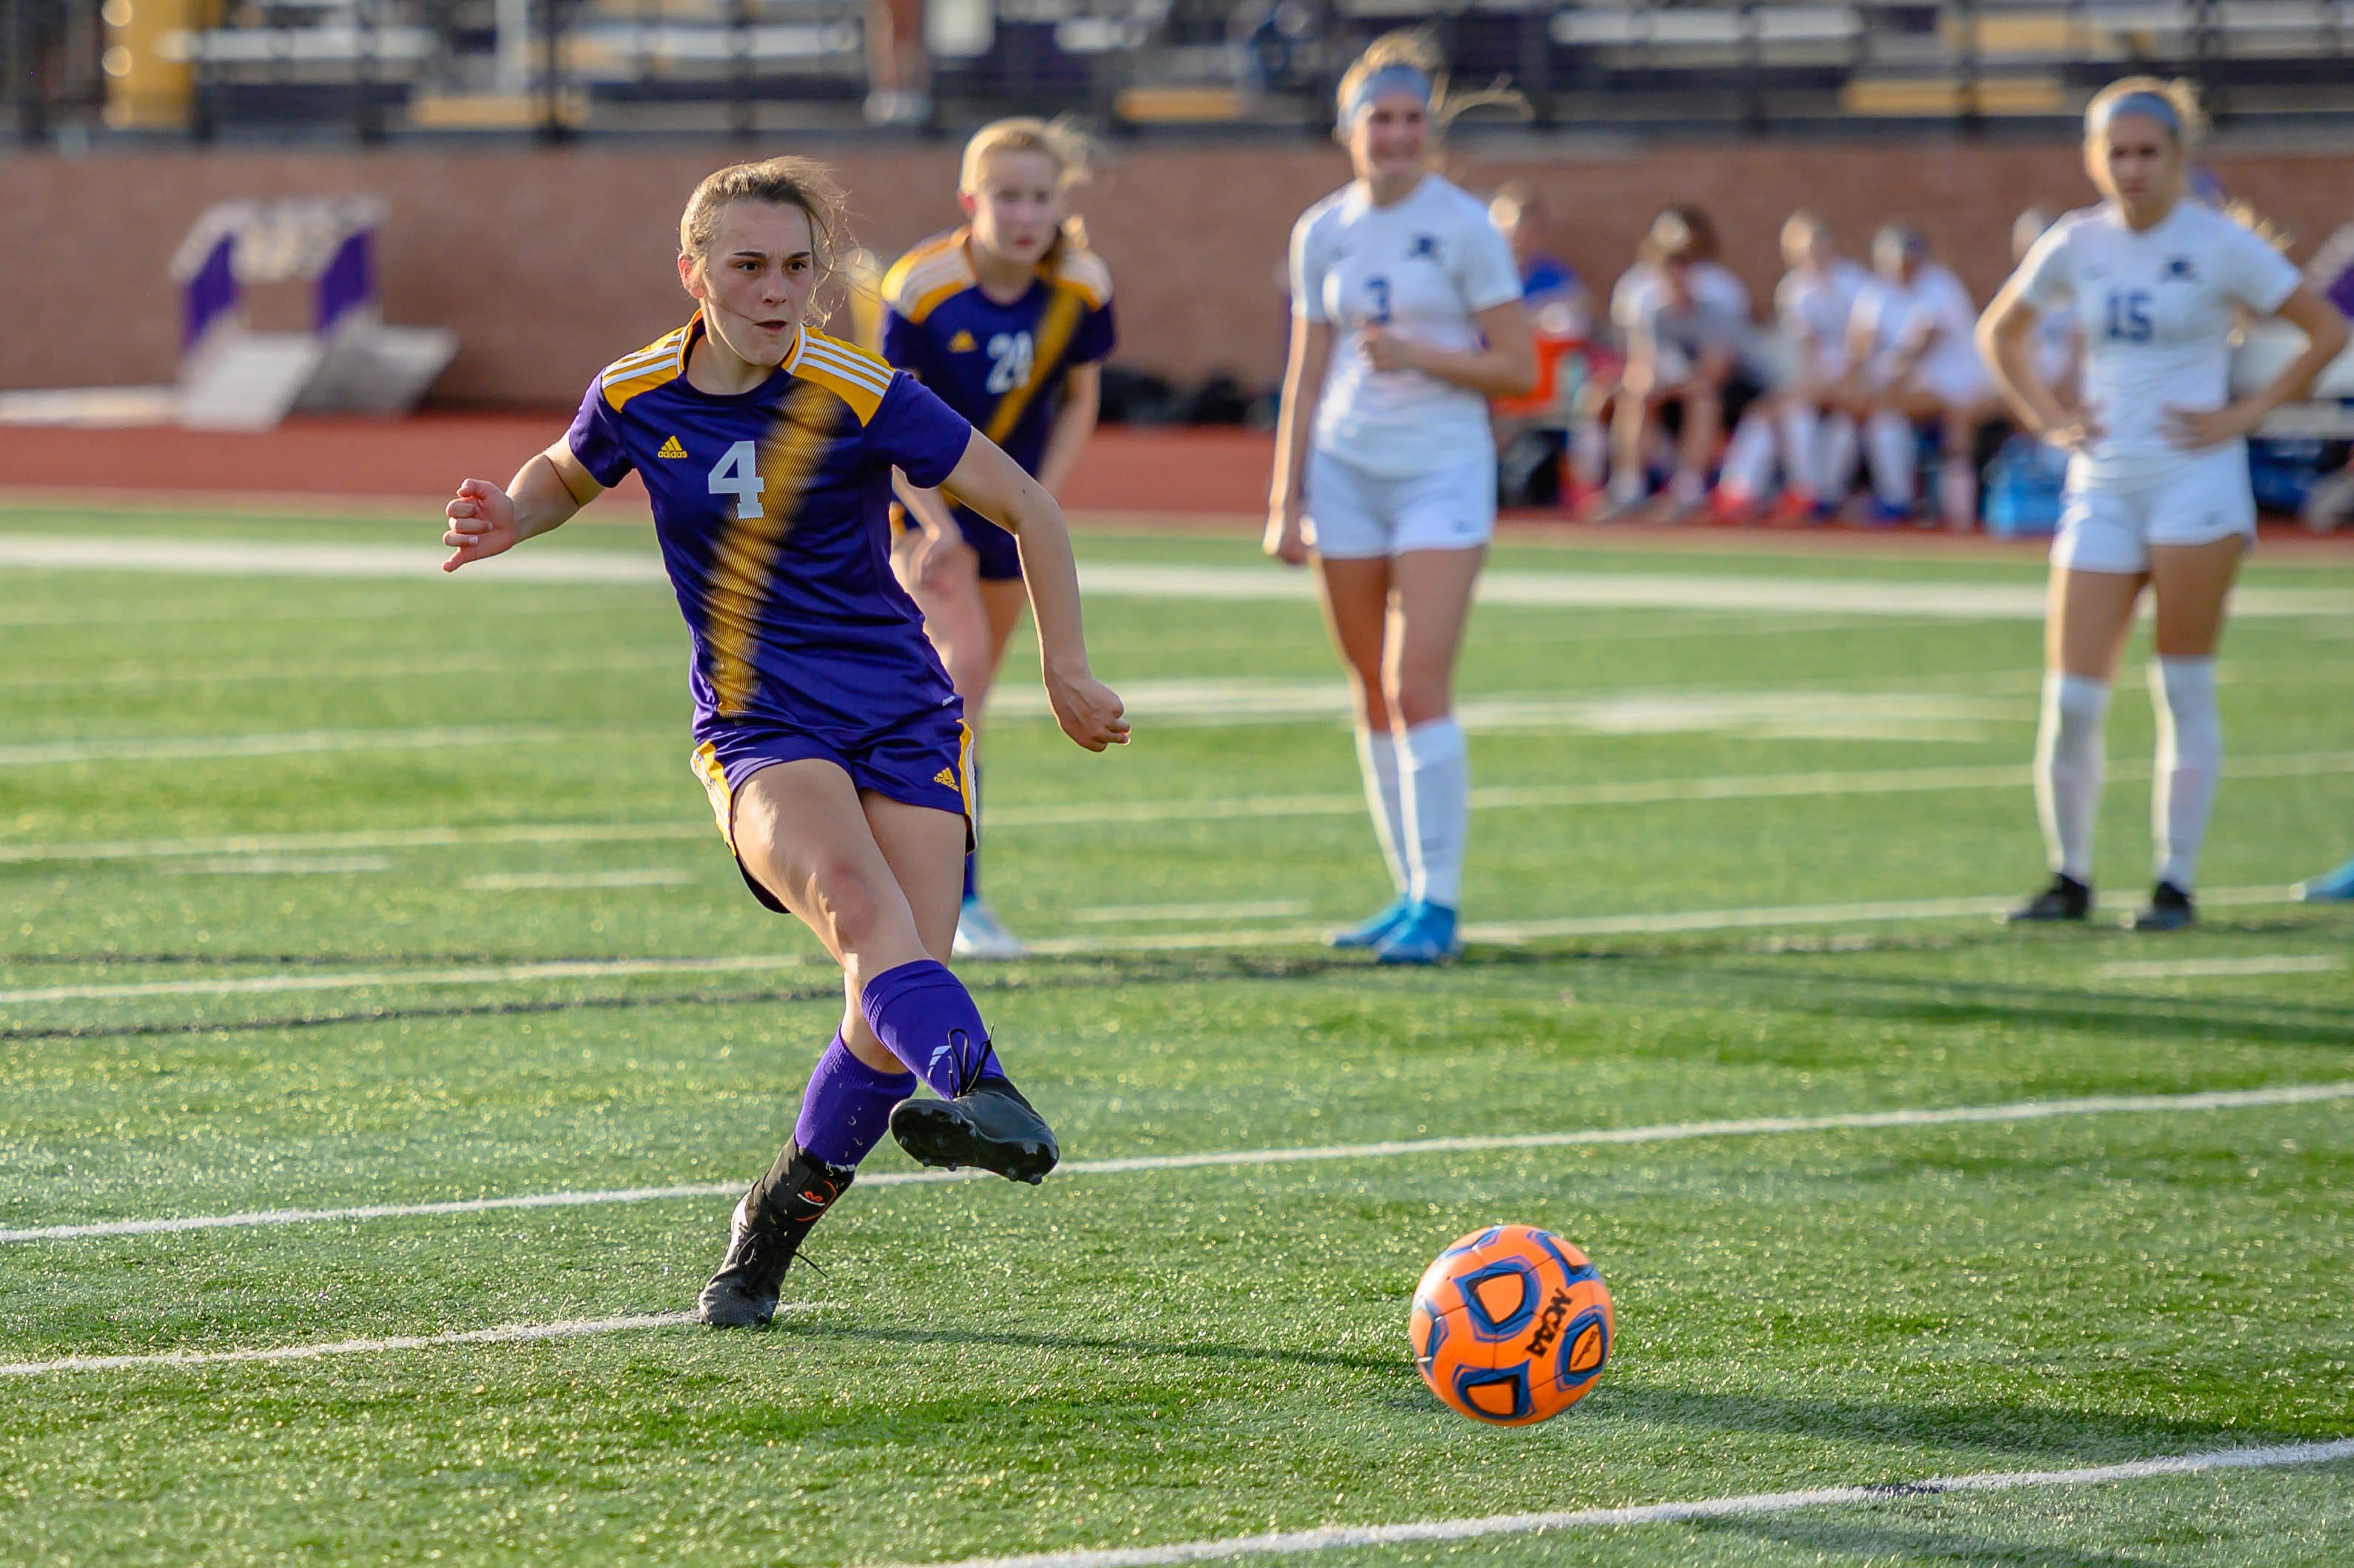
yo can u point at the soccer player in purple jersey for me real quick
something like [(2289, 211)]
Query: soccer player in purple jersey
[(827, 735), (1009, 319)]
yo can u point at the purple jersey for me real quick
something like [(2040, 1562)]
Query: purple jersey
[(1002, 366), (771, 509)]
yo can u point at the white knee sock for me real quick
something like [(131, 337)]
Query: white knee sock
[(1888, 441), (1802, 429), (2069, 764), (1836, 463), (1377, 759), (1589, 451), (1437, 810), (1957, 493), (1749, 459), (2190, 762)]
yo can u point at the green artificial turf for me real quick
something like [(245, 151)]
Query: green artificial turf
[(315, 975)]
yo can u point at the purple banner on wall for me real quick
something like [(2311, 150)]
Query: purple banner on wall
[(211, 292), (349, 279)]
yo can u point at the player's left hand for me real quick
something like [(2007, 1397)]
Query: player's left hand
[(932, 559), (1385, 350), (2195, 429), (1089, 711)]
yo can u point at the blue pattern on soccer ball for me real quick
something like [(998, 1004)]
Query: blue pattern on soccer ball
[(1590, 1319), (1484, 1324), (1514, 1377)]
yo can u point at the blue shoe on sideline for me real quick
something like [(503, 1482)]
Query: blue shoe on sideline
[(1427, 936), (2338, 887), (1373, 933)]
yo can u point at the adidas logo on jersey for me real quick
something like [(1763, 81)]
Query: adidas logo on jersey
[(962, 343), (671, 449)]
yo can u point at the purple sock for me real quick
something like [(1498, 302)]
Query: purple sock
[(928, 1019), (847, 1106)]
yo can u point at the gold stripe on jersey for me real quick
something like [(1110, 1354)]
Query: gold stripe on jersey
[(935, 270), (849, 372), (1057, 323), (1085, 271), (743, 561), (660, 362)]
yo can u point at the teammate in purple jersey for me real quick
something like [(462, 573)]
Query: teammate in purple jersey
[(1008, 319), (827, 733)]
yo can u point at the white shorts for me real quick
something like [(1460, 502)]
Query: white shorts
[(1354, 515), (2107, 526)]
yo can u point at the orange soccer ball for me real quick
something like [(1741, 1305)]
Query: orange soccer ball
[(1511, 1325)]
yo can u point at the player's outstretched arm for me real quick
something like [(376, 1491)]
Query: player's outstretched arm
[(486, 521), (994, 485)]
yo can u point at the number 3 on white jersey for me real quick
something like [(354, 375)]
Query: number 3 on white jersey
[(738, 474), (1010, 355)]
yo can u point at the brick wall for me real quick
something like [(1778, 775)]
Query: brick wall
[(549, 264)]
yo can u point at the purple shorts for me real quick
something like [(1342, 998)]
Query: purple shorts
[(1001, 555), (928, 762)]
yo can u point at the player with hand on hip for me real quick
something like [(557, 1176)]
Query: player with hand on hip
[(2158, 490), (828, 737), (1406, 317)]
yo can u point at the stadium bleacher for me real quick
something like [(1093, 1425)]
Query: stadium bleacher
[(375, 68)]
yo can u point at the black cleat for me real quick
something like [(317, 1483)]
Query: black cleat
[(763, 1235), (2169, 909), (990, 1126), (2065, 899)]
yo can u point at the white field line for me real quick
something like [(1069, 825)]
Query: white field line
[(561, 881), (1511, 933), (1669, 1132), (149, 748), (285, 866), (512, 1333), (671, 654), (1262, 909), (1286, 1543), (2193, 968), (1097, 813), (347, 980), (1589, 589), (1506, 933)]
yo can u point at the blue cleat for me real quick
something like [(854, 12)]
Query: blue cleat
[(2338, 887), (1427, 937), (1373, 933)]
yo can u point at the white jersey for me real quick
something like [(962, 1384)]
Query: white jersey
[(1934, 309), (1814, 309), (2156, 310), (1422, 268), (1632, 302)]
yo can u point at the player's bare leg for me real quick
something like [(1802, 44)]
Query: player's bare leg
[(1001, 602), (802, 831), (2192, 585), (1356, 595), (2085, 620), (1429, 606)]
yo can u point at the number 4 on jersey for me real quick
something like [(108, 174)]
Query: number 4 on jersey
[(738, 474)]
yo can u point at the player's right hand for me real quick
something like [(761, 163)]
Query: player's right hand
[(1286, 540), (482, 524)]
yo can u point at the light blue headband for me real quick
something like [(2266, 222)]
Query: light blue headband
[(1398, 77), (2144, 104)]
